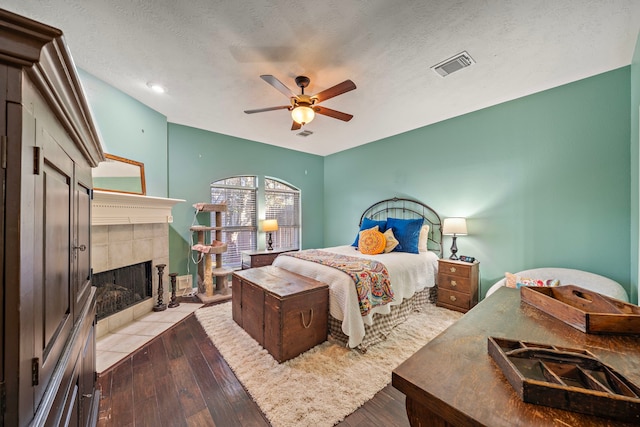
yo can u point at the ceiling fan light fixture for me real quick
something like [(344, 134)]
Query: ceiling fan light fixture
[(303, 114)]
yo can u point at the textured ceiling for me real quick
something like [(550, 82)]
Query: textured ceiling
[(210, 54)]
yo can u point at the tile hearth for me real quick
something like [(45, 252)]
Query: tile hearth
[(116, 345)]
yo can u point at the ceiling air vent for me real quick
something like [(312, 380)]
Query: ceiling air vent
[(305, 133), (453, 64)]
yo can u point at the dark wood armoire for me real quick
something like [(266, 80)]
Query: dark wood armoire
[(48, 145)]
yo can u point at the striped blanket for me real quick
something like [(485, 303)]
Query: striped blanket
[(371, 277)]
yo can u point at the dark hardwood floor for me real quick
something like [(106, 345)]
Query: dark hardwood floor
[(180, 379)]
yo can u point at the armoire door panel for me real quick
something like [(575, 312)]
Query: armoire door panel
[(24, 262), (53, 301), (57, 252), (81, 248), (3, 131)]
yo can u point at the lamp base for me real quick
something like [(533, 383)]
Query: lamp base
[(454, 249), (269, 243)]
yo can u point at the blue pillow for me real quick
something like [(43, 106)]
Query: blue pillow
[(407, 232), (370, 223)]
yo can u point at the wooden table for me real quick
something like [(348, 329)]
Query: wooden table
[(452, 381)]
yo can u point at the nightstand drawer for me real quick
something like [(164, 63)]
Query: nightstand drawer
[(454, 283), (458, 270), (253, 259), (262, 260), (453, 299)]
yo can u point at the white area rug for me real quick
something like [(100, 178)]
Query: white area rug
[(325, 384)]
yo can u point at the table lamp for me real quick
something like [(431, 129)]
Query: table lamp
[(454, 227), (269, 226)]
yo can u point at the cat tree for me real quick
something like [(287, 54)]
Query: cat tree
[(212, 279)]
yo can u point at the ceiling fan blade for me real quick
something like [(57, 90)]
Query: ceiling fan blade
[(278, 85), (332, 113), (260, 110), (295, 125), (336, 90)]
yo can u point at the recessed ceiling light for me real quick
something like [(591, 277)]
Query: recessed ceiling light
[(156, 87)]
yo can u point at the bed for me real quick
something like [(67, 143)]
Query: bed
[(411, 275)]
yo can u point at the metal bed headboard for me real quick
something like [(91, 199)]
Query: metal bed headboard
[(409, 209)]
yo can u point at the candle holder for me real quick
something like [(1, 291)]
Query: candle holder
[(160, 306), (173, 303)]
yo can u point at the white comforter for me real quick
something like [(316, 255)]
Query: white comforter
[(408, 274)]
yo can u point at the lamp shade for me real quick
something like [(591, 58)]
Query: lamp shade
[(303, 114), (454, 227), (270, 225)]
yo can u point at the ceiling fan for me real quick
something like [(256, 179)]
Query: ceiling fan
[(304, 107)]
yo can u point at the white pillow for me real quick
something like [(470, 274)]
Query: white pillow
[(423, 239), (392, 242)]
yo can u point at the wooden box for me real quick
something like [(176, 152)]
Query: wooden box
[(285, 312), (566, 378), (585, 310)]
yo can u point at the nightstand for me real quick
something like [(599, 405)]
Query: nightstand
[(457, 284), (253, 259)]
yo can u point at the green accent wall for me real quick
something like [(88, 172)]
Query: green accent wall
[(635, 186), (544, 180), (131, 130), (197, 158)]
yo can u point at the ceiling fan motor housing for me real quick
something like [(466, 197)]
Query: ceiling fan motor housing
[(302, 82)]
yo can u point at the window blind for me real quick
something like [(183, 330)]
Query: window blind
[(283, 204), (239, 221)]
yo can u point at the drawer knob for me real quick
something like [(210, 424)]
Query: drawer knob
[(452, 298), (452, 269), (453, 283)]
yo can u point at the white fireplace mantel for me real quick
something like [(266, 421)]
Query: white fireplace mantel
[(121, 208)]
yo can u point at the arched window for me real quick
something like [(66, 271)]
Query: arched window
[(247, 202), (283, 204)]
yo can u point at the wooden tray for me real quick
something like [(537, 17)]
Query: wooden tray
[(585, 310), (570, 379)]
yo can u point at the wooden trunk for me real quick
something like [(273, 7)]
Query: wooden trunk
[(285, 312)]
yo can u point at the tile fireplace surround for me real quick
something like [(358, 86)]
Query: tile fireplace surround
[(128, 229)]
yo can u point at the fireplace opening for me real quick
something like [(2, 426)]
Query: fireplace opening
[(122, 287)]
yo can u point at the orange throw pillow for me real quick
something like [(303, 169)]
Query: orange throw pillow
[(371, 241)]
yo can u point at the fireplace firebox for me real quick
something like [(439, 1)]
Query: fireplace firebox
[(122, 287)]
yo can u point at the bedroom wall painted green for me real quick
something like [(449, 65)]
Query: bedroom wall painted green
[(635, 175), (544, 180), (131, 130), (520, 169), (198, 157)]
